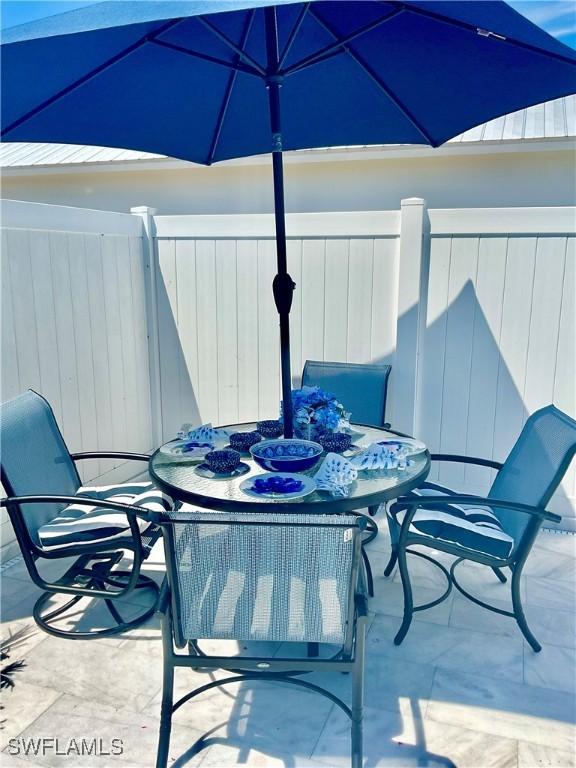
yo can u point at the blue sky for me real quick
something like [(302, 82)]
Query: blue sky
[(556, 16)]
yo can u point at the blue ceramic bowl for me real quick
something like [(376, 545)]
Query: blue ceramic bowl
[(223, 461), (242, 441), (286, 455)]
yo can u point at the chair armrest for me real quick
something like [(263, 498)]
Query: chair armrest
[(430, 501), (109, 455), (466, 460)]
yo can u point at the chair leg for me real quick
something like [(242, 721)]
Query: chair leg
[(165, 716), (45, 620), (392, 562), (358, 698), (500, 575), (519, 612), (408, 602), (369, 577)]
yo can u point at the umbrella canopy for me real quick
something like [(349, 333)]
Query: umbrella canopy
[(210, 80)]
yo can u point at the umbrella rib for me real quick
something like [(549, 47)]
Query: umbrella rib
[(339, 46), (206, 57), (226, 40), (293, 34), (380, 85), (488, 33), (228, 94), (87, 77)]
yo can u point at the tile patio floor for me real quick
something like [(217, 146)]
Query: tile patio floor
[(464, 689)]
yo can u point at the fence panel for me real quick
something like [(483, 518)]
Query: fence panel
[(500, 337), (74, 325), (218, 323)]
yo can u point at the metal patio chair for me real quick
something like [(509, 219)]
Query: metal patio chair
[(54, 517), (360, 387), (246, 577), (498, 530)]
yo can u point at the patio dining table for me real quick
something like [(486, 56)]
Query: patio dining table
[(180, 480)]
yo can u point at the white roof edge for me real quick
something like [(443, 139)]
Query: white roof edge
[(332, 154)]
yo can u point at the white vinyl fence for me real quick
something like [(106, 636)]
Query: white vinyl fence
[(474, 310), (74, 328), (133, 324)]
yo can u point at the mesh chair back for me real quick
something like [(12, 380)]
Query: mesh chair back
[(34, 458), (535, 466), (252, 577), (360, 387)]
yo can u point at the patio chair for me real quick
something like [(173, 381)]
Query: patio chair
[(54, 517), (360, 387), (245, 577), (497, 531)]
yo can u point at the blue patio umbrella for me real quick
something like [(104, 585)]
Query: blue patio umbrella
[(210, 80)]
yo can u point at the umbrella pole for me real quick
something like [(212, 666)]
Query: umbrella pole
[(283, 285)]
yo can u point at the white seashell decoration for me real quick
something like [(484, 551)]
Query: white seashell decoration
[(336, 474), (378, 456)]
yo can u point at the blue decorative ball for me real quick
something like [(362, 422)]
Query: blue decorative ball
[(270, 428), (338, 442), (243, 441), (223, 461)]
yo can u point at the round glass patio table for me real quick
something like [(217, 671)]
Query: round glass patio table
[(178, 479)]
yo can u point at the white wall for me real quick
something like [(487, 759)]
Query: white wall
[(528, 177), (74, 328)]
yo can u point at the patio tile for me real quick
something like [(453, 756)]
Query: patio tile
[(558, 543), (91, 669), (554, 667), (389, 599), (252, 716), (224, 754), (388, 737), (449, 648), (17, 597), (502, 708), (22, 705), (75, 718), (425, 574), (48, 569), (551, 593), (406, 739), (386, 680), (541, 563), (550, 626), (538, 756)]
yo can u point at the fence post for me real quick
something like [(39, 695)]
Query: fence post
[(150, 272), (412, 309)]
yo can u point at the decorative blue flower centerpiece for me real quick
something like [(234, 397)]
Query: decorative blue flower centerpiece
[(317, 413)]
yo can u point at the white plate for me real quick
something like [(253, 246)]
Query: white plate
[(174, 450), (413, 446), (308, 486)]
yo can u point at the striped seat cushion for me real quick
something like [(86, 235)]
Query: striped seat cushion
[(81, 524), (473, 527)]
